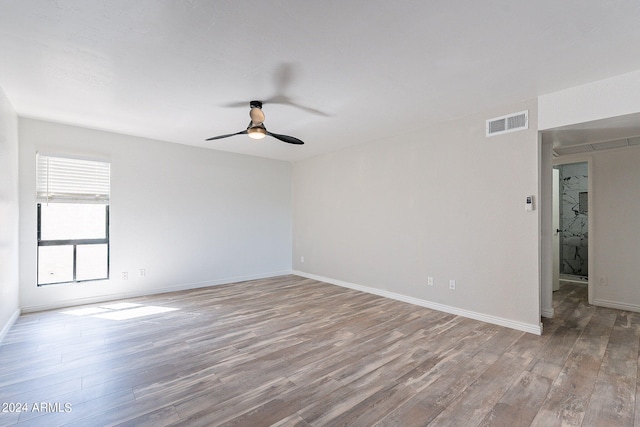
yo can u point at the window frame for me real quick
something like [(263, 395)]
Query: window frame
[(75, 243)]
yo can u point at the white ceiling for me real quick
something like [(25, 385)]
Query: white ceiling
[(604, 134), (355, 70)]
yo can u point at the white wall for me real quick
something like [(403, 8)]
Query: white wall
[(445, 202), (189, 216), (612, 97), (9, 301), (616, 229)]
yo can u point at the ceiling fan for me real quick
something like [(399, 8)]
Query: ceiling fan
[(256, 129)]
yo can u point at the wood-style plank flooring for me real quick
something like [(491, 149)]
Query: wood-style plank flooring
[(290, 351)]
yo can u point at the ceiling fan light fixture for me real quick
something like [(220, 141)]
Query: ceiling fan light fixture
[(257, 132)]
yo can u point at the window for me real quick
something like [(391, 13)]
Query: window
[(73, 220)]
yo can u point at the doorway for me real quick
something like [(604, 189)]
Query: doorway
[(571, 225)]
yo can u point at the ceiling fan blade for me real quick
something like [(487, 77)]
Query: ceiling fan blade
[(226, 136), (286, 138), (285, 100), (235, 104), (309, 109), (283, 76)]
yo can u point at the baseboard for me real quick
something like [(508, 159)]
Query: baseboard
[(147, 292), (520, 326), (547, 312), (617, 305), (9, 324)]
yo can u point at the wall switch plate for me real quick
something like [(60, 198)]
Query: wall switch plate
[(125, 275), (301, 259), (430, 281), (143, 272), (528, 204), (452, 284)]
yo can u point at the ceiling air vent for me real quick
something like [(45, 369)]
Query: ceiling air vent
[(508, 123)]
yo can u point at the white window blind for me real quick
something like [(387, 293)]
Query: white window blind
[(61, 179)]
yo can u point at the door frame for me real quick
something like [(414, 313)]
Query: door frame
[(555, 234), (582, 158)]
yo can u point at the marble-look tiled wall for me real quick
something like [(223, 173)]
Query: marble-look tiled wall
[(574, 219)]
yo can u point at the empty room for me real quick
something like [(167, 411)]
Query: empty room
[(297, 213)]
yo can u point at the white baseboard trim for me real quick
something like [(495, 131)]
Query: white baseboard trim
[(547, 312), (9, 324), (617, 305), (147, 292), (520, 326)]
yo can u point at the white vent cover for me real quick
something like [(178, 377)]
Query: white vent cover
[(509, 123)]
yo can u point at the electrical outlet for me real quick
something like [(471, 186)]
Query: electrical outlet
[(302, 259), (452, 284), (143, 272), (125, 275), (602, 281), (430, 281)]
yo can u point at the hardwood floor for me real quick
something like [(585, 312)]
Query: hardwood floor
[(291, 351)]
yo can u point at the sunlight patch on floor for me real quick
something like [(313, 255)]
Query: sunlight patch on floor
[(119, 311)]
